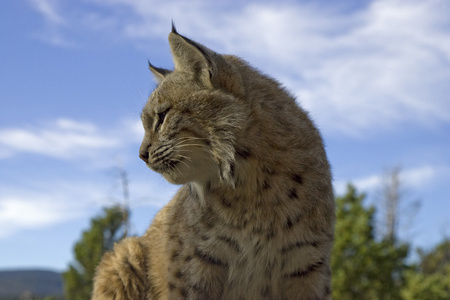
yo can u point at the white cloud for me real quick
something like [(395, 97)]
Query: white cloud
[(43, 204), (65, 139), (30, 202), (412, 178), (373, 68), (33, 204), (49, 9), (17, 213)]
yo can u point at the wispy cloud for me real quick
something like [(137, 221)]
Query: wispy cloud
[(376, 67), (415, 178), (49, 9), (18, 213), (64, 191), (43, 205), (55, 21), (66, 139), (55, 200)]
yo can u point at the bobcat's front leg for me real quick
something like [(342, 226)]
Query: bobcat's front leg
[(195, 273), (121, 274)]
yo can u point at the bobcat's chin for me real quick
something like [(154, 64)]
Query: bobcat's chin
[(198, 168), (174, 177)]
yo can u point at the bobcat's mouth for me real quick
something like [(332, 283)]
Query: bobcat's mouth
[(162, 160), (165, 166)]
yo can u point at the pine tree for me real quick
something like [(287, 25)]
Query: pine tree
[(105, 230), (363, 268), (430, 279)]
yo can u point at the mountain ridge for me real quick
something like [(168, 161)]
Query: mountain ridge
[(38, 282)]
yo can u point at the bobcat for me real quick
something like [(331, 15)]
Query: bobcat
[(255, 216)]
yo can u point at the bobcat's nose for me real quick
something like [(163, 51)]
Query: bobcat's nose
[(144, 155)]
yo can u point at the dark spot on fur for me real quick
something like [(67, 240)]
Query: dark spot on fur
[(297, 178), (188, 258), (290, 222), (174, 255), (266, 291), (179, 274), (243, 152), (208, 258), (233, 244), (196, 287), (258, 248), (232, 169), (208, 187), (299, 244), (172, 286), (293, 194), (257, 230), (269, 171), (226, 202), (266, 185), (183, 293), (186, 111), (270, 233), (305, 272)]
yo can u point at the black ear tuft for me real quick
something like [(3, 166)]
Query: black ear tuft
[(174, 30), (159, 73)]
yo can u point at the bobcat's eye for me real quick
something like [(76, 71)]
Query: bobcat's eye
[(161, 117)]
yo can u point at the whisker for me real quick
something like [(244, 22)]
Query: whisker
[(177, 169), (190, 138), (184, 150), (185, 157), (178, 160), (193, 145), (200, 147)]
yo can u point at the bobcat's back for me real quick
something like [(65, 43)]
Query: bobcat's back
[(254, 218)]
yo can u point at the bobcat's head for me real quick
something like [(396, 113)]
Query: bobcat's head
[(193, 117)]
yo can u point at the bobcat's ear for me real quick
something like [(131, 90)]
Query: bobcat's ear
[(191, 57), (159, 73), (205, 65)]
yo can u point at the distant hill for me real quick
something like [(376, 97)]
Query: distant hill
[(37, 282)]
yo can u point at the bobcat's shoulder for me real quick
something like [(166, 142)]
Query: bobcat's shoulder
[(254, 218)]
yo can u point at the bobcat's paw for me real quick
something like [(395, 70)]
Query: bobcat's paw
[(121, 273)]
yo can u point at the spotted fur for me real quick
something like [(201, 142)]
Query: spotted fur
[(254, 218)]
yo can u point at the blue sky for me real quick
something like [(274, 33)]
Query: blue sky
[(375, 76)]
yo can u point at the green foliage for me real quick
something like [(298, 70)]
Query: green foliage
[(363, 268), (431, 278), (427, 286), (105, 230), (435, 260)]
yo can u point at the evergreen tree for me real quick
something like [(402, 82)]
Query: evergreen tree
[(105, 230), (435, 260), (430, 279), (363, 268)]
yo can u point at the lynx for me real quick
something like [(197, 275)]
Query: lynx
[(254, 218)]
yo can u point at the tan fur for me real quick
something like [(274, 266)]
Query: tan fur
[(254, 218)]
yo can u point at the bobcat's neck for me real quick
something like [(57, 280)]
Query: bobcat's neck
[(247, 202)]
